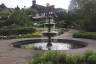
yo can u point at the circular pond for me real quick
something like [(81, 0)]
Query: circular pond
[(59, 44)]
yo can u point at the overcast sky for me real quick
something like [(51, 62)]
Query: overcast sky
[(21, 3)]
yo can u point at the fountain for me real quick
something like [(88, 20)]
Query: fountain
[(49, 44), (49, 33)]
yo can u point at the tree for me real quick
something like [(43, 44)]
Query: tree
[(89, 15), (18, 18), (85, 13)]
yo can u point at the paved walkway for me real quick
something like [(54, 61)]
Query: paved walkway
[(11, 55)]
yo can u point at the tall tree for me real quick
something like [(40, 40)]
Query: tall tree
[(85, 13)]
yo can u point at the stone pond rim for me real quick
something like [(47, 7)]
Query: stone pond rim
[(79, 44)]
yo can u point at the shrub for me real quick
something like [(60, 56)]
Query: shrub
[(71, 60), (5, 32), (88, 54), (36, 34), (53, 57), (92, 59), (61, 57), (29, 35), (61, 31), (80, 59), (84, 35), (39, 58)]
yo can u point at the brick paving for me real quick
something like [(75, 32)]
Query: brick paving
[(11, 55)]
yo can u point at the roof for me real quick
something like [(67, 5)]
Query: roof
[(41, 8), (2, 6)]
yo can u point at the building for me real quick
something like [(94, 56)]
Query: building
[(5, 12), (42, 10), (3, 8)]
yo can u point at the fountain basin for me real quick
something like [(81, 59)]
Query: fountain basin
[(59, 44)]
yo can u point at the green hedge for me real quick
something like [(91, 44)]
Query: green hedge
[(84, 35), (54, 57), (35, 34), (5, 32)]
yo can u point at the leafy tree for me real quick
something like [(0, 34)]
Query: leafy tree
[(62, 16), (85, 13), (18, 18)]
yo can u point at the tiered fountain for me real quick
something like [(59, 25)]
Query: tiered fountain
[(49, 33)]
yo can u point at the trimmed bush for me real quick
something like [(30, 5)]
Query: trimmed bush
[(5, 32), (84, 35), (36, 34)]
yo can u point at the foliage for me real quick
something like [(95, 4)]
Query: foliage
[(62, 17), (54, 57), (30, 11), (50, 57), (92, 59), (36, 34), (84, 13), (29, 35), (62, 30), (71, 59), (18, 18), (88, 54), (5, 32), (84, 35)]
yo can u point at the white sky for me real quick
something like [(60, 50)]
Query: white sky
[(21, 3)]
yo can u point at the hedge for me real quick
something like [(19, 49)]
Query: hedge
[(35, 34), (84, 35), (5, 32)]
